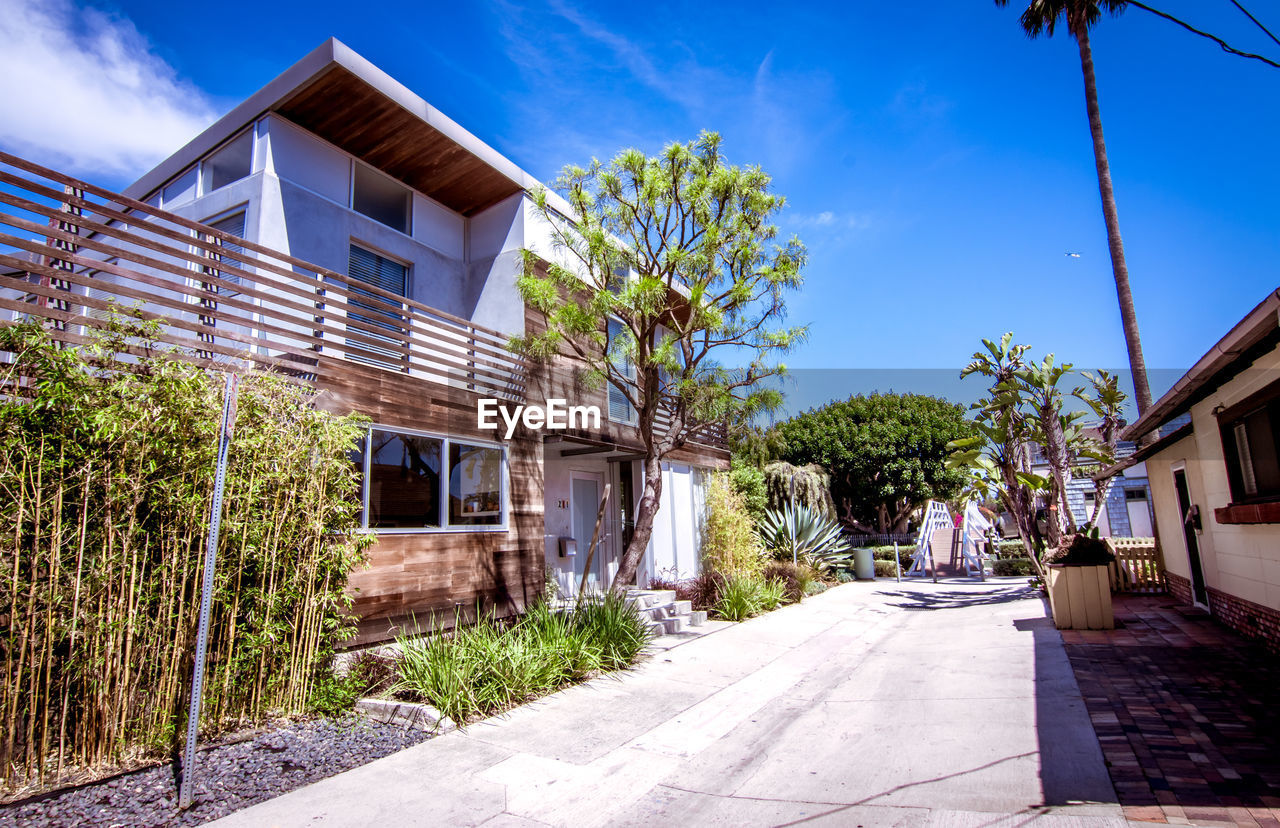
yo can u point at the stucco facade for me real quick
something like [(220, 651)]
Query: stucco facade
[(1221, 544)]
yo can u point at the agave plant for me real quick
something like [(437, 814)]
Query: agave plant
[(805, 535)]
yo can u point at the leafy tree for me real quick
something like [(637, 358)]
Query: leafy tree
[(1025, 407), (679, 252), (1043, 17), (886, 454), (808, 486)]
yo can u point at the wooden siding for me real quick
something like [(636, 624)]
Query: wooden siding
[(376, 129)]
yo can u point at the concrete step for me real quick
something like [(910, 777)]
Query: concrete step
[(673, 625), (663, 613), (640, 602), (656, 596)]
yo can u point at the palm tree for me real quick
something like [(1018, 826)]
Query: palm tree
[(1042, 17)]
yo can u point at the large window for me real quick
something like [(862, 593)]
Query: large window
[(620, 409), (380, 197), (233, 224), (418, 482), (229, 164), (376, 312), (1252, 450), (475, 485)]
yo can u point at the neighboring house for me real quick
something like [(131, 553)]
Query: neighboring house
[(1127, 512), (381, 246), (1212, 451)]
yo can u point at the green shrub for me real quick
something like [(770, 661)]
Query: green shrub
[(488, 667), (808, 486), (748, 481), (803, 535), (816, 588), (743, 596), (771, 595), (795, 579), (729, 541), (885, 553), (885, 569), (368, 674), (1011, 566), (613, 626)]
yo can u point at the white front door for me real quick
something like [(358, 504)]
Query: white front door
[(584, 502)]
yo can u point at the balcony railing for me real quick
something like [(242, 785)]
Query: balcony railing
[(72, 254)]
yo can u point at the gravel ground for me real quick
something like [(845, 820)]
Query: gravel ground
[(230, 777)]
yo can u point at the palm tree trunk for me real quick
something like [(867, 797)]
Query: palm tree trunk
[(1141, 390)]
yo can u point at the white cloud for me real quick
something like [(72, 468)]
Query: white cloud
[(829, 220), (83, 90)]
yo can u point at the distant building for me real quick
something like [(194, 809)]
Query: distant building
[(1127, 512)]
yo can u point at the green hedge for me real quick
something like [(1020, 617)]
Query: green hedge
[(1011, 566), (885, 553)]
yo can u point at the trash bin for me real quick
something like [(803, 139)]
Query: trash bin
[(864, 564)]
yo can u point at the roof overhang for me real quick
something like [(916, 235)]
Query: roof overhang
[(346, 100), (1237, 350)]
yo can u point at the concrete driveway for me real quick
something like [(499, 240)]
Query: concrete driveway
[(873, 704)]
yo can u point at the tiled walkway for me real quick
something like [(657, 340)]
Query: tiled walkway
[(1187, 713)]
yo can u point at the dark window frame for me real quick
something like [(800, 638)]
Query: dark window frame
[(1259, 417)]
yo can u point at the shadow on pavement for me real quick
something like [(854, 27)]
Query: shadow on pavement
[(1072, 766), (943, 598)]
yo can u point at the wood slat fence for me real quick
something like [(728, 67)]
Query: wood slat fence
[(72, 254), (1138, 566)]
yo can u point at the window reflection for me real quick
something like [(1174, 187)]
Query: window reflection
[(475, 485), (404, 481)]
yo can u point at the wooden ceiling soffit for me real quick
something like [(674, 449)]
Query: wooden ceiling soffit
[(354, 116)]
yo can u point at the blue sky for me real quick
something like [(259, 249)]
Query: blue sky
[(937, 163)]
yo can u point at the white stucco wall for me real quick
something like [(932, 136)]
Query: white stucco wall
[(675, 548), (1240, 559)]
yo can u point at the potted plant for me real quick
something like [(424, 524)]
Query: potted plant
[(1079, 586)]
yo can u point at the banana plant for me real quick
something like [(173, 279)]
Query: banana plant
[(804, 535)]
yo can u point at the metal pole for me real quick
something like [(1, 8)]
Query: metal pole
[(897, 564), (206, 591), (792, 523)]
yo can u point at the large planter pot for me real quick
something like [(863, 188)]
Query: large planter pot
[(864, 564), (1080, 597)]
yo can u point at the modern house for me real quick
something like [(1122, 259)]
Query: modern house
[(1212, 452), (336, 227)]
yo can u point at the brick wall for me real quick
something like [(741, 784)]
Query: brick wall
[(1245, 617), (1179, 587)]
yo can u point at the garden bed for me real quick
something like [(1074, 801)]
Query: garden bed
[(230, 776)]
